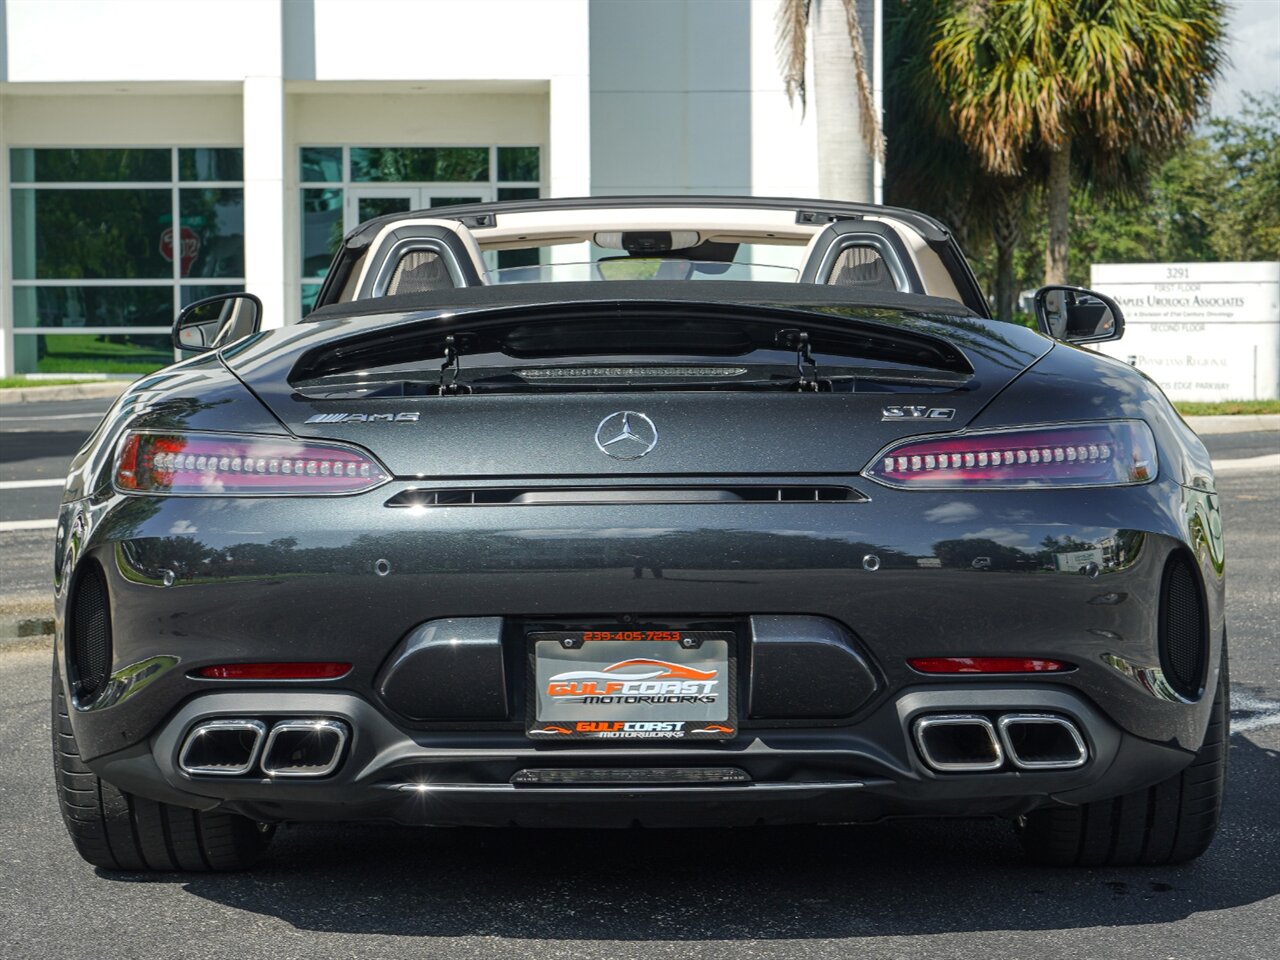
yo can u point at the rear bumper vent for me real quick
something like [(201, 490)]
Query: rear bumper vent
[(89, 634), (1183, 630), (569, 496)]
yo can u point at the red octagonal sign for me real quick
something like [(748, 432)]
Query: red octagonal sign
[(190, 247)]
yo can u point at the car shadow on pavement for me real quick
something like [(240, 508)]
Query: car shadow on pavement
[(891, 879)]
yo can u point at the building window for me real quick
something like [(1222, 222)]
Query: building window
[(99, 272), (344, 186)]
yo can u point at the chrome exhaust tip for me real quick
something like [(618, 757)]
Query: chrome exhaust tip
[(1042, 741), (958, 743), (304, 748), (222, 748)]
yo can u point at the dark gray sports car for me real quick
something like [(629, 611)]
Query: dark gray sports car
[(673, 512)]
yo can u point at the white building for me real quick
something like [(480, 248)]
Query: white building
[(264, 129)]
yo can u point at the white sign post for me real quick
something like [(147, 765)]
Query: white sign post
[(1203, 331)]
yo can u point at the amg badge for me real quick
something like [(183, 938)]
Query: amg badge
[(917, 413), (362, 417)]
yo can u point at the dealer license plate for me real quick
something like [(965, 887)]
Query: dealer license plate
[(632, 684)]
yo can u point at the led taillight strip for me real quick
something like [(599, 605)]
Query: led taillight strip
[(1094, 452), (1106, 453), (174, 462), (198, 464)]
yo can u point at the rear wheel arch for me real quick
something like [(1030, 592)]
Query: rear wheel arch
[(116, 830)]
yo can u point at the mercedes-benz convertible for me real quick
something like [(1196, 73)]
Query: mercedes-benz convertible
[(661, 511)]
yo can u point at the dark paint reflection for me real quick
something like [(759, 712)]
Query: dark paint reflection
[(715, 555)]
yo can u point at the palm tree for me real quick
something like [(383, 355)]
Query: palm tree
[(1032, 80), (848, 124), (929, 167)]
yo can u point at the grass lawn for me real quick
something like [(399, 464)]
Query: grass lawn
[(104, 353), (13, 383), (1189, 409)]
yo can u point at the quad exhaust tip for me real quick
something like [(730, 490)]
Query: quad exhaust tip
[(222, 748), (959, 742), (1042, 741), (304, 748), (971, 743), (295, 747)]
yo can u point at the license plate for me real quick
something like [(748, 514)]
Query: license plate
[(628, 684)]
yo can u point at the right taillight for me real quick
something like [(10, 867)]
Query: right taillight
[(1109, 453)]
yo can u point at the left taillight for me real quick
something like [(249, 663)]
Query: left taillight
[(228, 466)]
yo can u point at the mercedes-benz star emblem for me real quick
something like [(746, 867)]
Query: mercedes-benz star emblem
[(626, 435)]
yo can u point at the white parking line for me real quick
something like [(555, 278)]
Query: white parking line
[(1268, 461), (94, 414), (8, 525), (1258, 712), (31, 484)]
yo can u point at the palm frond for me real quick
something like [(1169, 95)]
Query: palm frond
[(871, 132), (1028, 76), (792, 44)]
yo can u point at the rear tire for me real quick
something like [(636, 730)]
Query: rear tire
[(118, 831), (1171, 822)]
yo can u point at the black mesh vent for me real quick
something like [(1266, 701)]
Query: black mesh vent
[(90, 634), (560, 496), (1183, 638)]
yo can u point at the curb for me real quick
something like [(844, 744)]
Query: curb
[(67, 391), (26, 617), (28, 632), (1235, 423), (22, 644)]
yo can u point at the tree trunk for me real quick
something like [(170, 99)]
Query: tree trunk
[(1007, 212), (845, 168), (1006, 295), (957, 209), (1059, 201)]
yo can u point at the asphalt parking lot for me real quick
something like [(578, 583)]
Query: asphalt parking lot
[(906, 889)]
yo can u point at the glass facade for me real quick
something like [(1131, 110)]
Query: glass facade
[(107, 245), (419, 164), (147, 165), (344, 186)]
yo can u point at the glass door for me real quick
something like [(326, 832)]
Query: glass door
[(452, 196), (365, 203)]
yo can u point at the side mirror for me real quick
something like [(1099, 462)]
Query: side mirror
[(1077, 315), (216, 321)]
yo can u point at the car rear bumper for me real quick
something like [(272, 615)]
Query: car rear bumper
[(841, 774), (201, 581)]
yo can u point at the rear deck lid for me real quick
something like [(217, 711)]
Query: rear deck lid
[(634, 388)]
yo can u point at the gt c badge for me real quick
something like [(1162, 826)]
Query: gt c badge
[(917, 413), (626, 435)]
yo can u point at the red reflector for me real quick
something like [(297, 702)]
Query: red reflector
[(274, 671), (985, 665)]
